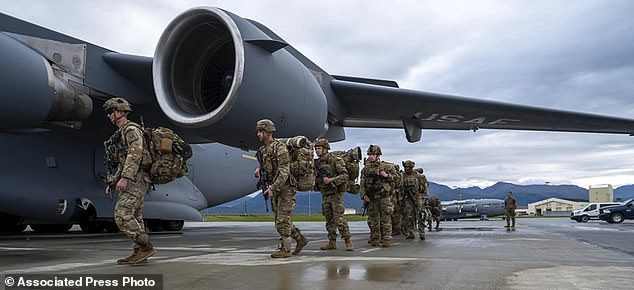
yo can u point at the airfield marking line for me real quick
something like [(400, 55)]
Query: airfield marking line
[(59, 267), (19, 249), (370, 250)]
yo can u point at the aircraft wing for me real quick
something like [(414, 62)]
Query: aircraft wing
[(381, 104)]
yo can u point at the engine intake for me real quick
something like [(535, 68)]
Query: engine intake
[(218, 73)]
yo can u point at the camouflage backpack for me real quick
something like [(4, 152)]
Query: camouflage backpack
[(302, 163), (169, 154), (352, 158)]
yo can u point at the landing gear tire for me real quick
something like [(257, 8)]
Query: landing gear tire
[(616, 218), (585, 219), (155, 225), (111, 227), (10, 224), (51, 228), (92, 227), (173, 225)]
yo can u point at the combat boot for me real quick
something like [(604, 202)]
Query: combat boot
[(301, 243), (143, 255), (429, 227), (375, 243), (422, 237), (281, 253), (285, 250), (349, 245), (331, 245), (126, 260), (513, 224), (386, 243)]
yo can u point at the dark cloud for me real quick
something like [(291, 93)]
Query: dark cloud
[(576, 55)]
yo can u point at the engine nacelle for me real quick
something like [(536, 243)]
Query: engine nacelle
[(31, 94), (454, 209), (470, 207), (219, 73)]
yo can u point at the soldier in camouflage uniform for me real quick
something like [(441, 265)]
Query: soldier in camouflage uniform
[(276, 165), (413, 188), (377, 178), (397, 200), (424, 210), (510, 204), (434, 208), (132, 179), (332, 181)]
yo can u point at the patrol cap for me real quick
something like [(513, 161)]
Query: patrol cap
[(374, 149), (266, 125), (119, 104), (408, 163), (322, 142)]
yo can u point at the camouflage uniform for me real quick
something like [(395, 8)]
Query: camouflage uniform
[(510, 204), (397, 200), (133, 161), (434, 208), (276, 165), (332, 195), (413, 201), (424, 210), (379, 190)]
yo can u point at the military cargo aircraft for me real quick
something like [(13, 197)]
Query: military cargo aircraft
[(212, 76), (471, 208)]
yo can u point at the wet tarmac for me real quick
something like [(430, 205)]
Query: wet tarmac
[(540, 253)]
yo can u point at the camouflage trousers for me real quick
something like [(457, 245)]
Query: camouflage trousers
[(411, 217), (509, 214), (397, 218), (283, 206), (435, 215), (380, 218), (128, 214), (332, 207)]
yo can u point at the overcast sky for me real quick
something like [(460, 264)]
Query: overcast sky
[(573, 55)]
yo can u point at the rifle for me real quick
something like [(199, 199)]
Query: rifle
[(112, 149), (321, 173), (262, 184), (370, 194)]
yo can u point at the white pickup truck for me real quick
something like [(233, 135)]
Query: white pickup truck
[(590, 211)]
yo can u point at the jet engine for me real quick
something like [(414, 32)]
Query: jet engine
[(454, 209), (31, 94), (219, 73), (470, 207)]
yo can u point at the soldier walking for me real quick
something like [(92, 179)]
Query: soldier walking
[(510, 204), (434, 208), (127, 150), (377, 178), (332, 179), (413, 203), (276, 165), (397, 200)]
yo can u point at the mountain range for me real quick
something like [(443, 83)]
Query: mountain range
[(310, 202)]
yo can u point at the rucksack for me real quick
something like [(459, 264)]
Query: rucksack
[(169, 154), (302, 164), (352, 158)]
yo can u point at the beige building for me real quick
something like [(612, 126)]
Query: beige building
[(601, 193), (555, 206)]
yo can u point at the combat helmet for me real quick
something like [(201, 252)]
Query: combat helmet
[(374, 149), (118, 104), (408, 163), (323, 143), (265, 125)]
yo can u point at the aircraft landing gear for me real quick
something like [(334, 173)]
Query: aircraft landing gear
[(51, 228), (10, 224)]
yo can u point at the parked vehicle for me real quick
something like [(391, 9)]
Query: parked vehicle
[(618, 213), (590, 211)]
